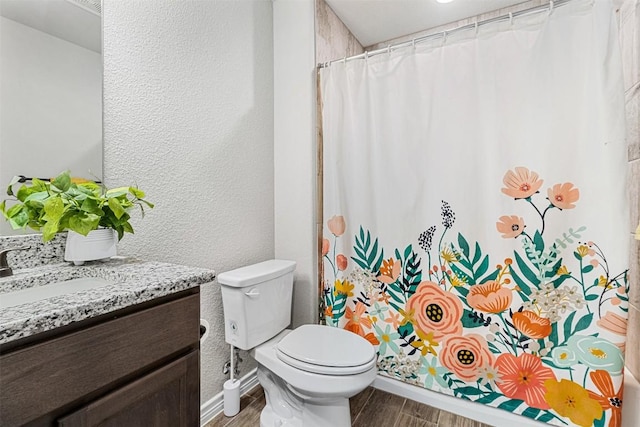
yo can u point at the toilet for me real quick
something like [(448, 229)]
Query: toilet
[(308, 373)]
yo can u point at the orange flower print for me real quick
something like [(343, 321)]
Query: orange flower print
[(490, 297), (532, 325), (336, 225), (356, 319), (613, 323), (435, 311), (572, 401), (394, 319), (523, 378), (465, 355), (341, 262), (563, 196), (521, 184), (389, 271), (372, 338), (510, 226), (325, 246), (328, 311), (608, 398)]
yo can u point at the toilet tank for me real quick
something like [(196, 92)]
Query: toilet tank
[(257, 302)]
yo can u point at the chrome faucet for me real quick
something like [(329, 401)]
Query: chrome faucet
[(5, 270)]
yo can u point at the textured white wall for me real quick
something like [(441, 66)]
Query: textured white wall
[(51, 103), (295, 149), (188, 116)]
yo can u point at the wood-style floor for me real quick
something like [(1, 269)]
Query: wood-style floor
[(371, 408)]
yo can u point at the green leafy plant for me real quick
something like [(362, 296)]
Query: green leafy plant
[(71, 204)]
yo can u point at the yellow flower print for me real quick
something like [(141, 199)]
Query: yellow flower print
[(583, 251), (343, 287), (448, 255), (407, 316), (457, 281), (572, 401), (602, 281), (425, 344), (563, 271)]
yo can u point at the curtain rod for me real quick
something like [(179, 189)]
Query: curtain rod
[(549, 6)]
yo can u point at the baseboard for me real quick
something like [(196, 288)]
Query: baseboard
[(215, 405), (476, 411)]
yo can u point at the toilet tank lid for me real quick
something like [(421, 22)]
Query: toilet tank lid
[(256, 273)]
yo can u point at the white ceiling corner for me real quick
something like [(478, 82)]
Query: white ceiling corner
[(67, 20), (376, 21)]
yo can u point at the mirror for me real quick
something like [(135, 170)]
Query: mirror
[(50, 90)]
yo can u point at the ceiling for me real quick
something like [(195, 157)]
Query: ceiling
[(375, 21), (370, 21), (76, 22)]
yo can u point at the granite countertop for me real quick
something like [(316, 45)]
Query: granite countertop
[(133, 282)]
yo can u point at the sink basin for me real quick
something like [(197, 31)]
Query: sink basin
[(37, 293)]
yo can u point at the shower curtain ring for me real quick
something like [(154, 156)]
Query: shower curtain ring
[(476, 27), (388, 49), (444, 37), (550, 6), (511, 19)]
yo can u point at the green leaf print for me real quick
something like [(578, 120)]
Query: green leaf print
[(571, 237), (545, 262), (412, 273), (471, 319), (469, 391), (546, 417), (405, 330), (600, 422), (538, 243), (531, 412), (339, 306), (583, 323), (489, 398), (464, 246), (525, 270), (524, 287), (396, 293), (482, 269), (477, 254), (367, 256), (567, 325), (475, 268)]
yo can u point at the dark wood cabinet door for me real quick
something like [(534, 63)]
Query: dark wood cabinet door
[(167, 397), (48, 379)]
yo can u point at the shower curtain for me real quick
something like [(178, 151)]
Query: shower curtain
[(475, 216)]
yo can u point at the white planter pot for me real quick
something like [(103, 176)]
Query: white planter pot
[(98, 244)]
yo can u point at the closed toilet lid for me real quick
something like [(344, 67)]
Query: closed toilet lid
[(326, 350)]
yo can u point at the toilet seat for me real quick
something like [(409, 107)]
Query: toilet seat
[(326, 350)]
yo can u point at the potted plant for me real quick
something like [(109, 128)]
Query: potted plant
[(74, 205)]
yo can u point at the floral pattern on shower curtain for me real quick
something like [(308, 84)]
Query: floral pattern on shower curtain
[(476, 228)]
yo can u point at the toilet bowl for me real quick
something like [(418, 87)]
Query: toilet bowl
[(308, 385), (308, 373)]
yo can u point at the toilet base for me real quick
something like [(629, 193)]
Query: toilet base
[(286, 407)]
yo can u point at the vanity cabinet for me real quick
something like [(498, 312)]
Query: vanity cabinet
[(138, 366)]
